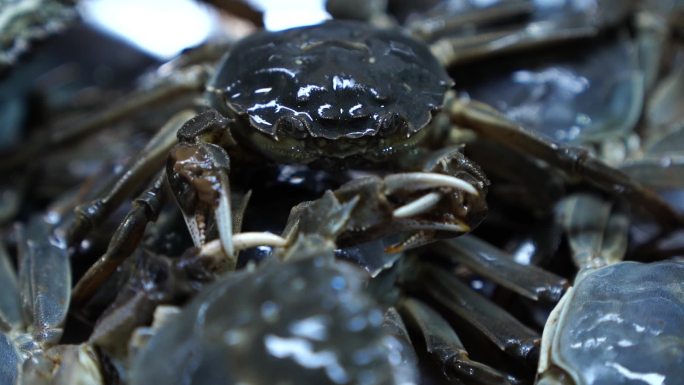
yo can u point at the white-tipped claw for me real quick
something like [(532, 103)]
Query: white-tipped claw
[(224, 220), (427, 180), (245, 240), (253, 239), (418, 206)]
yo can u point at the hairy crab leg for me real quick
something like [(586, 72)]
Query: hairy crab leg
[(545, 368), (597, 236), (431, 27), (11, 320), (492, 29), (45, 280), (174, 87), (443, 344), (665, 172), (496, 324), (662, 163), (90, 215), (576, 162), (125, 240), (10, 306), (457, 50), (400, 345), (481, 257)]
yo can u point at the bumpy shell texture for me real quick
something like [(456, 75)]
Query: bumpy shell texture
[(338, 79), (624, 326), (304, 322)]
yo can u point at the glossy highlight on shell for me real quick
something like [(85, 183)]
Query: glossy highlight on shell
[(336, 80), (306, 319)]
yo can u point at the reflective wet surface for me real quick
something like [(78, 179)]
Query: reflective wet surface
[(620, 318), (314, 76), (301, 322)]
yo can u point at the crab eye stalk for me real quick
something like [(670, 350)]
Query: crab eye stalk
[(390, 124), (291, 127)]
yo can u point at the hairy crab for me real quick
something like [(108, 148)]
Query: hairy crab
[(32, 314), (618, 313), (301, 96), (338, 96)]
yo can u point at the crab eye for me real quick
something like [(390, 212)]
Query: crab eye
[(291, 127), (390, 124)]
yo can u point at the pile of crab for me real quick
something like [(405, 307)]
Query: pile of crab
[(437, 193)]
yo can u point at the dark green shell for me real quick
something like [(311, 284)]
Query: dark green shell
[(340, 78)]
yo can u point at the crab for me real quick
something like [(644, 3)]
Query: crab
[(337, 95), (340, 95), (32, 314), (622, 321), (330, 335), (24, 22)]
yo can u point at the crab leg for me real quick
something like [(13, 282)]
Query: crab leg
[(457, 50), (662, 164), (401, 345), (597, 237), (167, 90), (90, 215), (444, 346), (666, 172), (431, 28), (493, 29), (125, 240), (10, 308), (485, 259), (496, 324), (576, 162), (45, 280)]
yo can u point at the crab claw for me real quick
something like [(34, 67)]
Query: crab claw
[(198, 175), (444, 200), (420, 206)]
